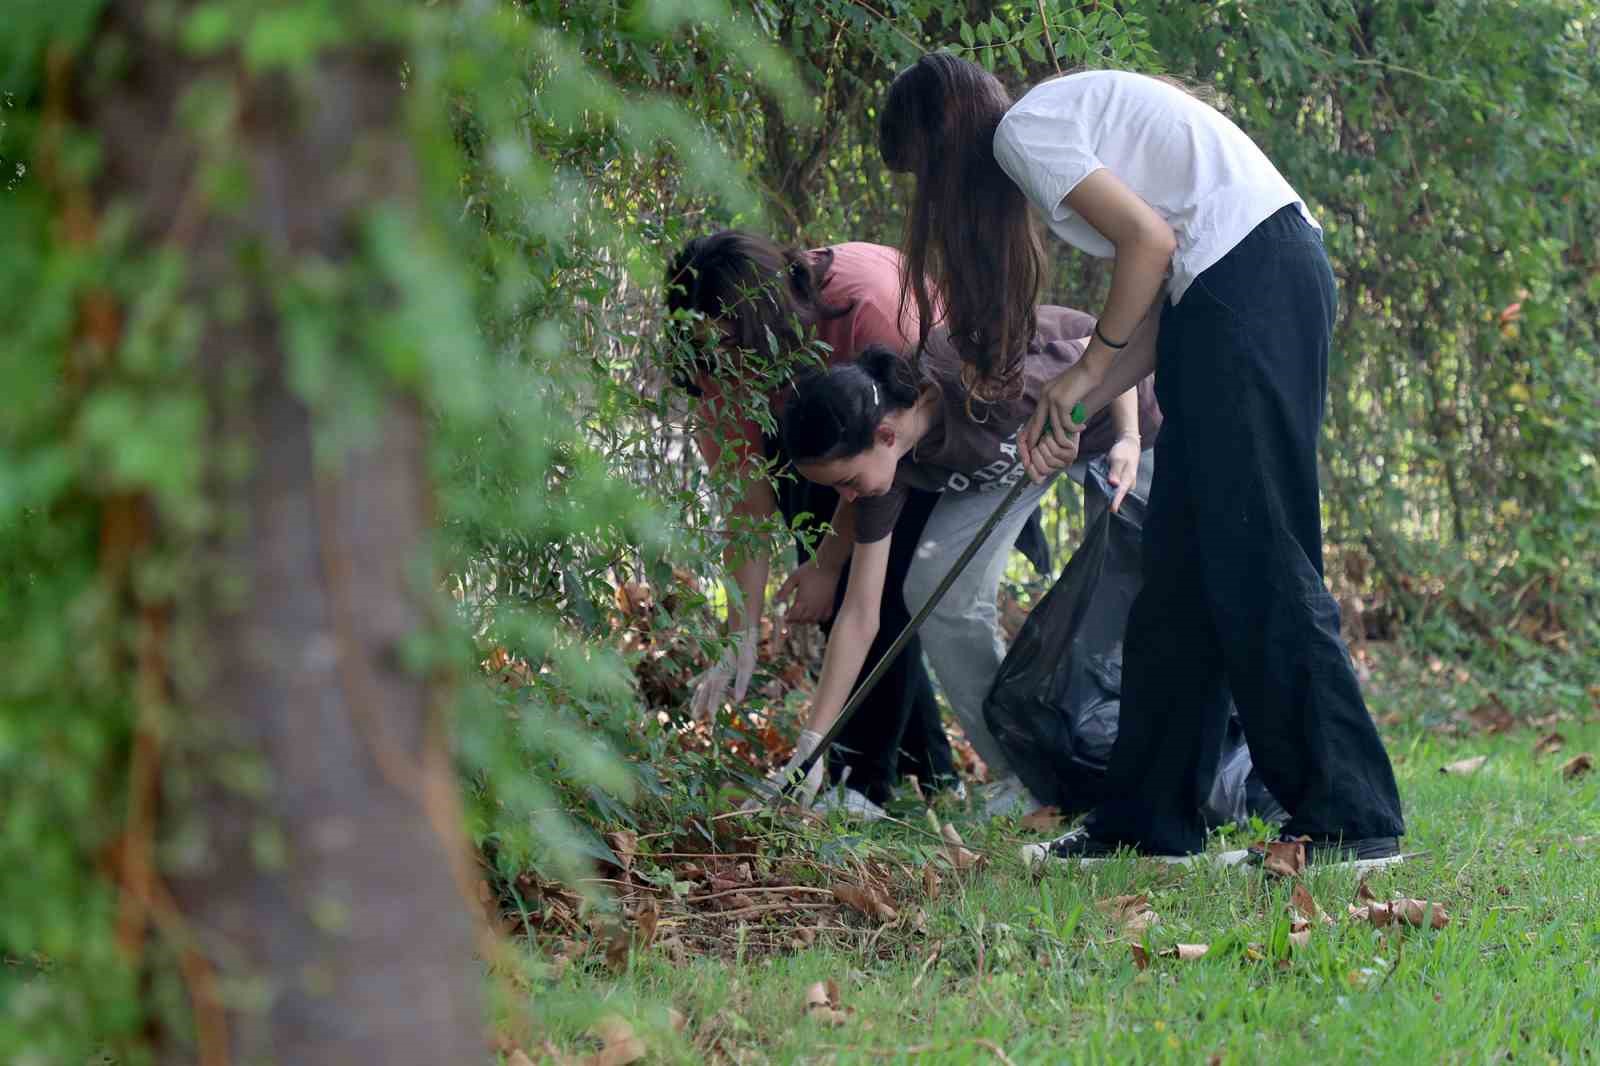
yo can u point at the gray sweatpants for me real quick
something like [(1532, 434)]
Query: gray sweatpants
[(961, 637)]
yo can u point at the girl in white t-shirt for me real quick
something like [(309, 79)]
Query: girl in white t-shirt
[(1200, 223)]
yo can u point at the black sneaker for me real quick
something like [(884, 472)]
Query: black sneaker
[(1367, 853), (1077, 848)]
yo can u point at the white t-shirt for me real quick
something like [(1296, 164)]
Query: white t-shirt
[(1197, 169)]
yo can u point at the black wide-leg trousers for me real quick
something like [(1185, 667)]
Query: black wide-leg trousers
[(1233, 598)]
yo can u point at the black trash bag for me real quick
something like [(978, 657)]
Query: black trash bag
[(1054, 705)]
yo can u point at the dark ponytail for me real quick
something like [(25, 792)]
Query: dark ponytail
[(834, 413), (971, 247)]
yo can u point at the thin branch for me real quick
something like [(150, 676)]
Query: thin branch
[(1049, 41)]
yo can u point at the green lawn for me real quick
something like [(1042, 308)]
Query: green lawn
[(1029, 970)]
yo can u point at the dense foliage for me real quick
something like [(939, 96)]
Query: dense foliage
[(567, 150)]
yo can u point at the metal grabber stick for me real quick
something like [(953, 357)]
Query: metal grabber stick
[(862, 690)]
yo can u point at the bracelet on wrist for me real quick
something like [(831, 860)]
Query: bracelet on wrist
[(1103, 339)]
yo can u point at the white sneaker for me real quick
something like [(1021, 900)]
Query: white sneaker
[(850, 803), (1007, 796), (1076, 848)]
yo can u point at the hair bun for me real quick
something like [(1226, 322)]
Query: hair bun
[(879, 361)]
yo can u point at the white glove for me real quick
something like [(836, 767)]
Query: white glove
[(804, 745), (737, 664)]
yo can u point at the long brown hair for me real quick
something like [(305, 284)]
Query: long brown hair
[(752, 287), (969, 237)]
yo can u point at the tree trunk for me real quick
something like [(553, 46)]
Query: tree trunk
[(314, 884)]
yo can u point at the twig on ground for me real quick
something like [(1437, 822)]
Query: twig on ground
[(758, 888), (767, 908)]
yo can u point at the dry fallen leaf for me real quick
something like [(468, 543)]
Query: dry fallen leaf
[(1286, 858), (1132, 913), (618, 1044), (677, 1019), (1182, 952), (618, 943), (645, 920), (518, 1057), (1492, 717), (956, 849), (930, 883), (1419, 913), (1462, 767), (625, 842), (822, 1004), (1549, 744), (1186, 952), (1300, 933), (1577, 766), (1364, 891), (1414, 912), (1301, 902), (1043, 820), (865, 900)]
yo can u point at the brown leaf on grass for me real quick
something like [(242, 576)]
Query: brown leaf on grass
[(1300, 933), (1414, 912), (1549, 744), (956, 849), (930, 883), (822, 1004), (1301, 903), (518, 1057), (618, 1045), (1181, 952), (1364, 891), (1420, 913), (1285, 858), (645, 921), (1132, 913), (1043, 820), (625, 842), (866, 900), (618, 944), (1464, 767), (1491, 716), (1577, 766), (677, 1019)]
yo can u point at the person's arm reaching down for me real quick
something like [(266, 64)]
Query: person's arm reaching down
[(853, 633), (1144, 247), (749, 572)]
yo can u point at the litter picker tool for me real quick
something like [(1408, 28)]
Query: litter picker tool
[(866, 686)]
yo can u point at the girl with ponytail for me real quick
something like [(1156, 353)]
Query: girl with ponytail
[(883, 427), (733, 295), (1207, 236)]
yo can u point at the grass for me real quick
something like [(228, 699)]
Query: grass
[(1028, 970)]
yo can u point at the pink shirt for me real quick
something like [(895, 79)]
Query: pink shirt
[(864, 277)]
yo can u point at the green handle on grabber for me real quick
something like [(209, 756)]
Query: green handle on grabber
[(1077, 413)]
